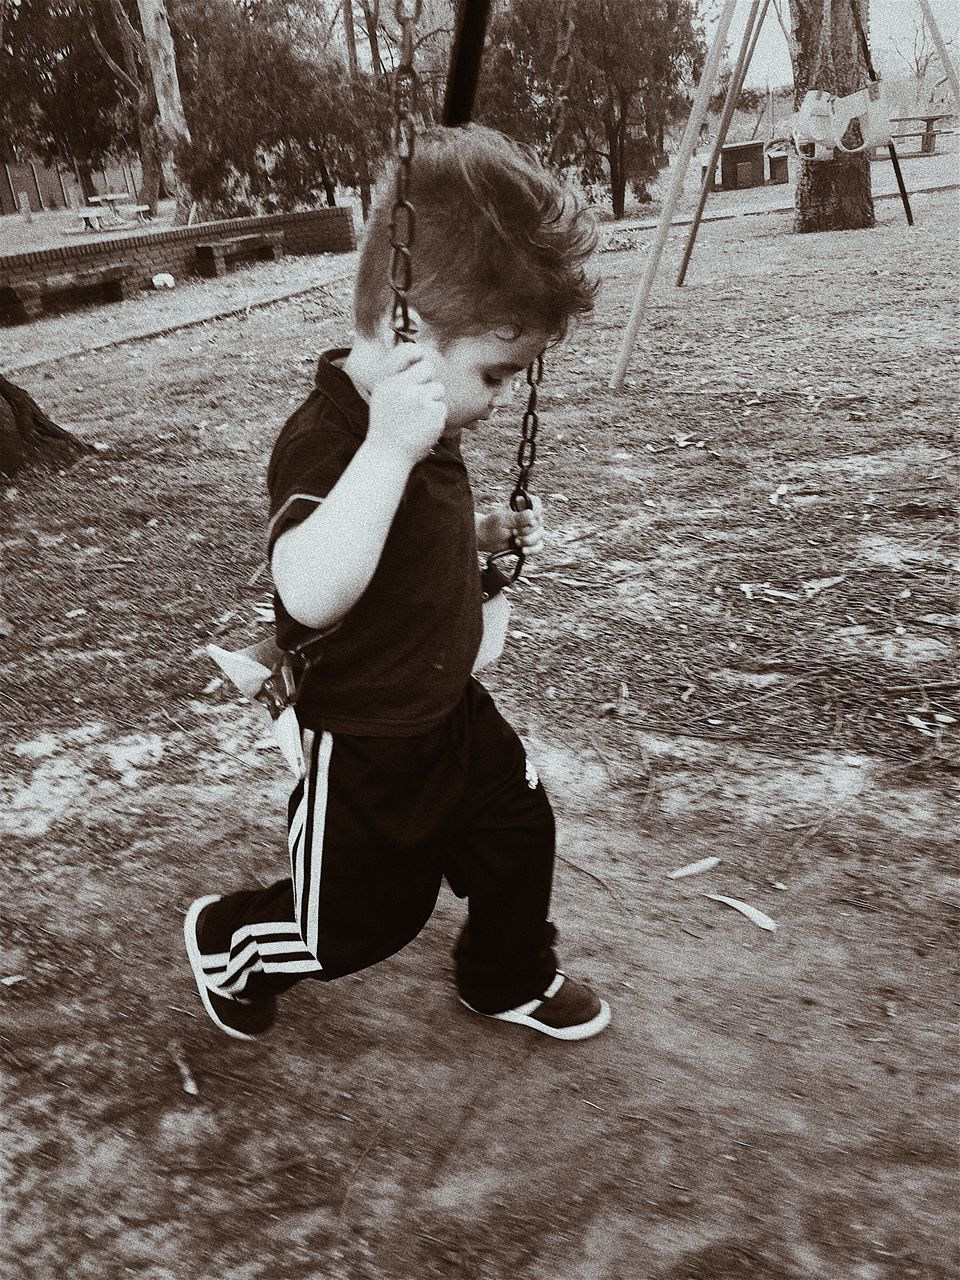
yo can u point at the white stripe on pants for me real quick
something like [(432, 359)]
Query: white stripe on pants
[(286, 946)]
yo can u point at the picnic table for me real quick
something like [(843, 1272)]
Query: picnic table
[(111, 199), (927, 133), (91, 218), (103, 216)]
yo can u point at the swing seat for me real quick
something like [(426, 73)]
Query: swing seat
[(264, 673), (820, 125)]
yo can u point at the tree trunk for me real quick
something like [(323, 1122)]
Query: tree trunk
[(371, 14), (831, 195), (173, 130), (85, 177), (149, 193), (618, 174), (328, 188), (363, 169), (149, 139), (28, 436)]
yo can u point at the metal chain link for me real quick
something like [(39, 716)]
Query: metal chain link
[(520, 499), (403, 217), (402, 235)]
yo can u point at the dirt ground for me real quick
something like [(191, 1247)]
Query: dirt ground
[(740, 642)]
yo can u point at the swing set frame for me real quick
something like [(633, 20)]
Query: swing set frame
[(691, 135)]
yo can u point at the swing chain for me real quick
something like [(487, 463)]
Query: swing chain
[(505, 567), (527, 453), (403, 215)]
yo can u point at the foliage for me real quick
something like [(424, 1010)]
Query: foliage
[(624, 85), (273, 114), (56, 97), (747, 99)]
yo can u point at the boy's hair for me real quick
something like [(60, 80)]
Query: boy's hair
[(499, 243)]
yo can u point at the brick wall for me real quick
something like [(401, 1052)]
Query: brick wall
[(174, 250)]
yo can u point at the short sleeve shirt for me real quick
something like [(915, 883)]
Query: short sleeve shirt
[(399, 660)]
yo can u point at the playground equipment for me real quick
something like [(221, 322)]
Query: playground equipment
[(816, 128)]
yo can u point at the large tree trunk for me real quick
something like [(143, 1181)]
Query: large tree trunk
[(173, 130), (27, 435), (831, 195)]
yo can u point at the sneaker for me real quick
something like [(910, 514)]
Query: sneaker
[(245, 1019), (567, 1010)]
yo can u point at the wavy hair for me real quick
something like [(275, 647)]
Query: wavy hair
[(499, 242)]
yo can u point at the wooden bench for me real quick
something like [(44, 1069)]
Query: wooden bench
[(25, 300), (266, 246)]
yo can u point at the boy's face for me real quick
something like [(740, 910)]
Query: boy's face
[(479, 373)]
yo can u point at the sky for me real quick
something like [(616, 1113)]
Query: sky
[(891, 23)]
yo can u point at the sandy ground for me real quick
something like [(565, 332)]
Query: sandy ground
[(740, 642)]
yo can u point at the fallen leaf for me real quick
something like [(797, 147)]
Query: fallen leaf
[(780, 491), (814, 586), (6, 627), (941, 620), (757, 917), (13, 979), (693, 868), (921, 725), (186, 1078)]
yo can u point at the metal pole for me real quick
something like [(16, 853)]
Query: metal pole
[(948, 63), (871, 70), (687, 147), (751, 33), (465, 59)]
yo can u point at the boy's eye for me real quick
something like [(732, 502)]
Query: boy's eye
[(493, 381)]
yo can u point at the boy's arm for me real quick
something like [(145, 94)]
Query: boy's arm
[(323, 565)]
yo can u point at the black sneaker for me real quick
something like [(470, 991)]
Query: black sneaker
[(567, 1010), (245, 1019)]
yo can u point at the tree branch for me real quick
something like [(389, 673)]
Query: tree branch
[(115, 67), (128, 30)]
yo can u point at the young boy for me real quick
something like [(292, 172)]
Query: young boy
[(413, 776)]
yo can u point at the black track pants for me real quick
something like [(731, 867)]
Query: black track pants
[(373, 829)]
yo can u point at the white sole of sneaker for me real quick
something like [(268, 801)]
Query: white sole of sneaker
[(195, 957), (521, 1018)]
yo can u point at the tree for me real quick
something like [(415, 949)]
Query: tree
[(273, 113), (827, 49), (56, 102), (27, 435), (135, 81), (622, 87), (172, 132)]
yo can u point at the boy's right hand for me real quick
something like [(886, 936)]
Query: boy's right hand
[(408, 405)]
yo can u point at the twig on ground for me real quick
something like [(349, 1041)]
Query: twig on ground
[(593, 876), (351, 1176), (601, 756)]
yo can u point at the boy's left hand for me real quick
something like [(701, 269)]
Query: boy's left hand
[(497, 529)]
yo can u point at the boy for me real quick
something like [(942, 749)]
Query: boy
[(412, 774)]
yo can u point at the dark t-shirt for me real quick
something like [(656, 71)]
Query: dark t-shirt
[(397, 662)]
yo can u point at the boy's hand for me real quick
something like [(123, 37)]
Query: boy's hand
[(497, 529), (408, 406)]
